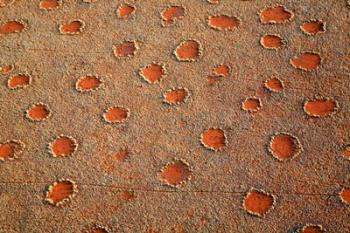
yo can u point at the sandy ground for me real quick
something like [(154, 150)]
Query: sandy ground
[(133, 130)]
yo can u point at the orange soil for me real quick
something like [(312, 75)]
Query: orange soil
[(306, 61), (320, 107), (214, 139), (60, 191), (223, 22), (7, 150), (284, 146), (88, 83), (173, 13), (175, 96), (345, 195), (258, 203), (274, 84), (275, 15), (125, 49), (116, 114), (311, 229), (346, 152), (175, 173), (271, 42), (72, 27), (251, 104), (313, 27), (49, 4), (38, 112), (63, 146), (19, 81), (125, 10), (11, 27), (7, 69), (223, 70), (188, 50), (152, 73)]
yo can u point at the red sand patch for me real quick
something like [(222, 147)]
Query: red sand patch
[(320, 107), (175, 173), (258, 202), (63, 146), (274, 85), (88, 83), (38, 112), (284, 146), (121, 155), (278, 14), (222, 70), (153, 73), (72, 28), (306, 61), (116, 114), (10, 149), (311, 229), (60, 192), (345, 195), (313, 27), (251, 104), (125, 11), (19, 81), (271, 42), (223, 22), (127, 195), (213, 139), (172, 14), (12, 27), (346, 152), (176, 95), (50, 4), (125, 49), (4, 70), (188, 50)]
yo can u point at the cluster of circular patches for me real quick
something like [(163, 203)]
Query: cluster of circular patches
[(310, 228), (320, 107), (88, 83), (306, 61), (271, 41), (313, 27), (125, 49), (13, 26), (73, 27), (284, 146), (175, 173), (19, 81), (50, 4), (4, 3), (274, 85), (116, 114), (218, 72), (252, 104), (178, 95), (214, 139), (172, 14), (60, 192), (63, 146), (275, 15), (345, 195), (38, 112), (125, 11), (223, 22), (188, 51), (346, 152), (153, 73), (99, 229), (9, 150), (258, 202), (6, 69)]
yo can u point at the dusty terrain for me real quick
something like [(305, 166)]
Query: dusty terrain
[(174, 116)]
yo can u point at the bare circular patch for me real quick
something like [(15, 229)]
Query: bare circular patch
[(19, 81), (60, 192), (223, 22), (116, 114), (125, 49), (13, 26), (275, 15), (274, 85), (38, 112), (258, 202), (88, 83), (271, 41), (188, 50), (172, 14), (313, 27), (9, 150), (252, 104), (307, 61), (311, 228), (63, 146), (6, 69), (346, 152), (221, 70), (175, 173), (73, 27), (125, 11), (345, 195), (214, 139), (320, 107), (176, 95), (284, 146), (50, 4), (153, 73)]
